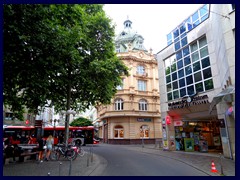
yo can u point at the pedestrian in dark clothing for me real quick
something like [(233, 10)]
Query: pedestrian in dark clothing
[(40, 148)]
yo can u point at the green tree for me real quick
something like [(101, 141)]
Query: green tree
[(81, 122), (63, 53)]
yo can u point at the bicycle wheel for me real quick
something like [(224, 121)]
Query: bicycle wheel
[(71, 154), (80, 151)]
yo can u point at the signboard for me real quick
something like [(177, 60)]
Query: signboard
[(186, 102), (178, 123), (144, 119)]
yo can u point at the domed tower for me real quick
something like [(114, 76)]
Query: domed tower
[(128, 39)]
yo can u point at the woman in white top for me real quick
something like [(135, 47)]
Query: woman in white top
[(49, 144)]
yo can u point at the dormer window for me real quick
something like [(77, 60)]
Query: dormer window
[(123, 34)]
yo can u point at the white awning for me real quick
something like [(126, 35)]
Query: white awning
[(226, 95)]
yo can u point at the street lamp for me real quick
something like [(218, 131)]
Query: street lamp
[(68, 113)]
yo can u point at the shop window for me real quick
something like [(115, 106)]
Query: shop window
[(144, 131), (118, 132)]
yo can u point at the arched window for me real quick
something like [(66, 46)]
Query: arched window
[(144, 131), (118, 104), (143, 105), (118, 132)]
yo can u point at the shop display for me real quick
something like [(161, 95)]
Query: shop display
[(203, 146), (189, 144)]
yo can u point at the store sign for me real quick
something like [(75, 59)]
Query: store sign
[(144, 119), (178, 123), (188, 101)]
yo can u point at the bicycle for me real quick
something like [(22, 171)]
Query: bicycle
[(60, 150), (78, 150)]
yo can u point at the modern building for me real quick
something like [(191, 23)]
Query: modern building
[(197, 82), (133, 117)]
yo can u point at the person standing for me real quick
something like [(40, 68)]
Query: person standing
[(49, 144), (40, 148)]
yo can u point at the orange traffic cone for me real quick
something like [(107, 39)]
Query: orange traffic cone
[(214, 170)]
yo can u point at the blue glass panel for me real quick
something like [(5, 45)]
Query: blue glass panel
[(169, 96), (195, 16), (169, 37), (203, 10), (189, 26), (180, 73), (184, 41), (168, 79), (179, 55), (190, 90), (186, 51), (187, 60), (182, 29), (176, 40), (175, 85), (176, 33), (175, 94), (189, 80), (182, 92), (180, 64), (205, 62), (174, 76), (196, 66), (188, 70), (182, 82), (177, 46), (199, 87)]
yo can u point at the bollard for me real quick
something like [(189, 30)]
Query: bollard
[(48, 173), (221, 164), (92, 154), (59, 168), (70, 168), (88, 158)]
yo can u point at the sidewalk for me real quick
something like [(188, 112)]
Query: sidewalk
[(198, 160), (82, 166)]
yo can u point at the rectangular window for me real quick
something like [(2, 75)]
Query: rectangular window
[(142, 85)]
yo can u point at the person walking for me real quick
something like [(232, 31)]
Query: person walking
[(49, 144), (40, 148)]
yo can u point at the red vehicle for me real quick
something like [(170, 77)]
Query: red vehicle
[(29, 134)]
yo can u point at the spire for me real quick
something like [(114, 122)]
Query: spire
[(127, 23)]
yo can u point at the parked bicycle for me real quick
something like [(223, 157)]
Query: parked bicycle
[(61, 150), (78, 150)]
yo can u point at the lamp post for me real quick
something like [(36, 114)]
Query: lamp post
[(68, 113)]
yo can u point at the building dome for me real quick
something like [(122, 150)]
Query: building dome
[(127, 37)]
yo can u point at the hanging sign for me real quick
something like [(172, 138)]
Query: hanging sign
[(168, 120)]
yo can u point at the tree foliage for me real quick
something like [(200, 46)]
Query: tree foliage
[(81, 122), (51, 49)]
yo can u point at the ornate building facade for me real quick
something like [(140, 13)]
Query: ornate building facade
[(133, 117)]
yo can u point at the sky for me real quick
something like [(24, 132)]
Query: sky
[(152, 21)]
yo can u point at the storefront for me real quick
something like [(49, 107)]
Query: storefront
[(202, 136)]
